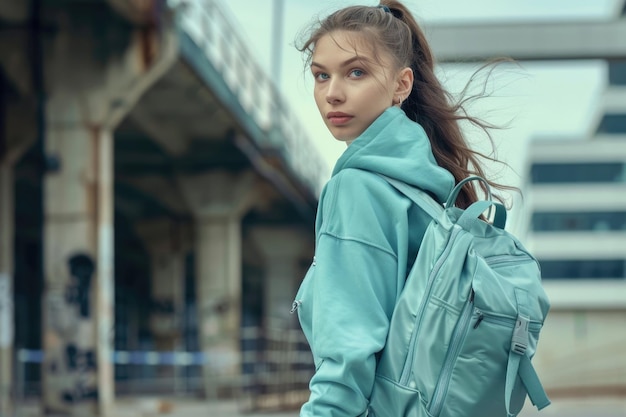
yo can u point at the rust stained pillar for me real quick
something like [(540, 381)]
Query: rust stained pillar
[(96, 71), (78, 258)]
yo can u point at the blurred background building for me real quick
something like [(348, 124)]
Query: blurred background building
[(157, 199)]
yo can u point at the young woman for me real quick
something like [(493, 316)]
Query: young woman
[(376, 90)]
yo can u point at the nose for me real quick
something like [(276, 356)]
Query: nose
[(334, 93)]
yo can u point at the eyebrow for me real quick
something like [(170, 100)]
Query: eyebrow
[(344, 63)]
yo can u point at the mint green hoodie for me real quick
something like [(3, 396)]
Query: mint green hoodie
[(367, 237)]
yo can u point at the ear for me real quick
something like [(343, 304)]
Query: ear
[(404, 82)]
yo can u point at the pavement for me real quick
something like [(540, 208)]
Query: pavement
[(560, 407), (579, 407), (177, 407), (192, 408), (164, 407)]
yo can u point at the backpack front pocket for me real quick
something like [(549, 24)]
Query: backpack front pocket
[(478, 367), (390, 399)]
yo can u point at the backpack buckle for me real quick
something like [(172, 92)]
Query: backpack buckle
[(519, 341)]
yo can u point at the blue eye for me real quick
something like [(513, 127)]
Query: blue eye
[(357, 73), (322, 76)]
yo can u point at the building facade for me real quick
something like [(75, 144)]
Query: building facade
[(577, 195)]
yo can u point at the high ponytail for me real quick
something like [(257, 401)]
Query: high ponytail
[(392, 28)]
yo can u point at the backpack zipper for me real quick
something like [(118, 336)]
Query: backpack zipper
[(406, 370), (534, 326), (501, 259), (456, 343)]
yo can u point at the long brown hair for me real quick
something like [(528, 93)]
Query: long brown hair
[(392, 27)]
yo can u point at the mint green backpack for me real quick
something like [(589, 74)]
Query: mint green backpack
[(466, 325)]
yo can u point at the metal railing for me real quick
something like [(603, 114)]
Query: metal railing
[(211, 30), (276, 366)]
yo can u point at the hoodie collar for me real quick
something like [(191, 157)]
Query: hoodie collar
[(395, 146)]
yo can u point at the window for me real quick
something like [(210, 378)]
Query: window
[(577, 221), (613, 123), (617, 71), (581, 269), (610, 172)]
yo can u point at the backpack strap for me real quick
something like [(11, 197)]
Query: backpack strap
[(457, 189), (419, 197), (531, 381), (519, 362), (434, 209), (471, 214), (477, 208)]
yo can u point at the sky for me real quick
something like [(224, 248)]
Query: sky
[(538, 99)]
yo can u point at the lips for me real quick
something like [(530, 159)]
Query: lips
[(338, 118)]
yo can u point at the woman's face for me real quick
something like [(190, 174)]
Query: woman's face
[(352, 86)]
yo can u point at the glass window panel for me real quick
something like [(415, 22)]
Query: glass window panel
[(617, 72), (613, 123), (546, 173), (581, 269), (579, 221)]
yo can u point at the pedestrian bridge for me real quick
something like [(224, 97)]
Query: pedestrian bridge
[(161, 195), (216, 106)]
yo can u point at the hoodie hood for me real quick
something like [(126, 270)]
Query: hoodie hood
[(396, 146)]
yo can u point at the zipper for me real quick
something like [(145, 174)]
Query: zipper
[(456, 343), (298, 302), (534, 326), (406, 370), (295, 306), (479, 319), (501, 259)]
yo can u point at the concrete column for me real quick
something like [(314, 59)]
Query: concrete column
[(77, 374), (287, 252), (6, 288), (164, 240), (218, 290), (95, 73), (219, 200)]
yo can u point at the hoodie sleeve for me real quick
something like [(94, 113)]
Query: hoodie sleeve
[(347, 303), (350, 310)]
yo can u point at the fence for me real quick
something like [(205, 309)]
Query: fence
[(276, 366), (211, 30)]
